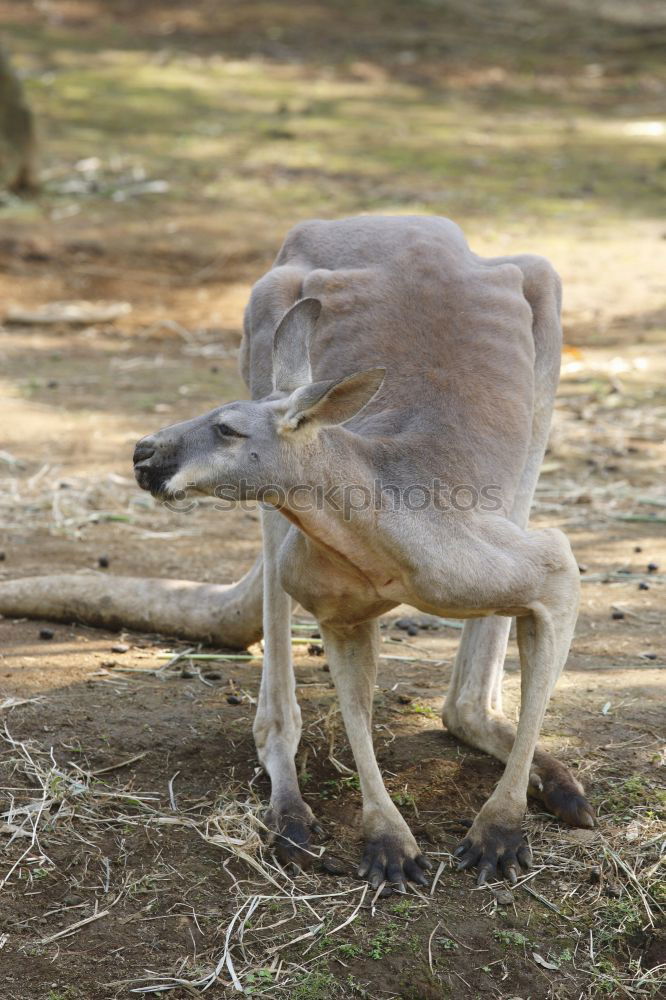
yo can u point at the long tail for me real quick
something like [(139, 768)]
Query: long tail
[(218, 614)]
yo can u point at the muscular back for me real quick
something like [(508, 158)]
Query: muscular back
[(453, 330)]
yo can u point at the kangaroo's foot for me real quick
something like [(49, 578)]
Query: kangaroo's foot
[(560, 793), (291, 824)]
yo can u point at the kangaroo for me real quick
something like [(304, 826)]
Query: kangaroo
[(383, 355)]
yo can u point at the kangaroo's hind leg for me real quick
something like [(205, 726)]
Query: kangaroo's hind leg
[(473, 707), (495, 843)]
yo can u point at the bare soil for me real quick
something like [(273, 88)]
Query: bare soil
[(134, 788)]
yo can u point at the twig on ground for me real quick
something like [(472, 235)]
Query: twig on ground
[(73, 928)]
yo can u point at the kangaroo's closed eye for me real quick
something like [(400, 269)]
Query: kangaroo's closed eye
[(225, 431)]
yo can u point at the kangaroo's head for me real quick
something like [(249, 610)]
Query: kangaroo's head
[(242, 449)]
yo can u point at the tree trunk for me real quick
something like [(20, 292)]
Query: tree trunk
[(17, 133)]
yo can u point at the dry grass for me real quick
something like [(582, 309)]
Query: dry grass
[(279, 926), (57, 804)]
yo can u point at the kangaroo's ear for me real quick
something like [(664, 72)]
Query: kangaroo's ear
[(291, 360), (332, 402)]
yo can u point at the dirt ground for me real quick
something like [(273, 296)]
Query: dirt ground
[(179, 143)]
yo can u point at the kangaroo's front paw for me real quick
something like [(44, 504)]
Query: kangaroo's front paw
[(291, 826), (497, 849), (392, 855)]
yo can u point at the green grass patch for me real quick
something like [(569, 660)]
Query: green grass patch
[(383, 942), (333, 787), (636, 794), (316, 985), (510, 938)]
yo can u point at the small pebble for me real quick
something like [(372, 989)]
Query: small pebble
[(108, 664), (637, 548), (213, 675), (582, 568), (595, 875), (412, 630), (643, 585), (648, 656), (331, 865), (617, 615), (120, 647), (430, 833), (652, 567), (614, 890), (103, 562), (46, 633), (405, 623), (503, 897), (234, 699)]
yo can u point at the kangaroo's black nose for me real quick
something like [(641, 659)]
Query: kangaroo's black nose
[(144, 450)]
